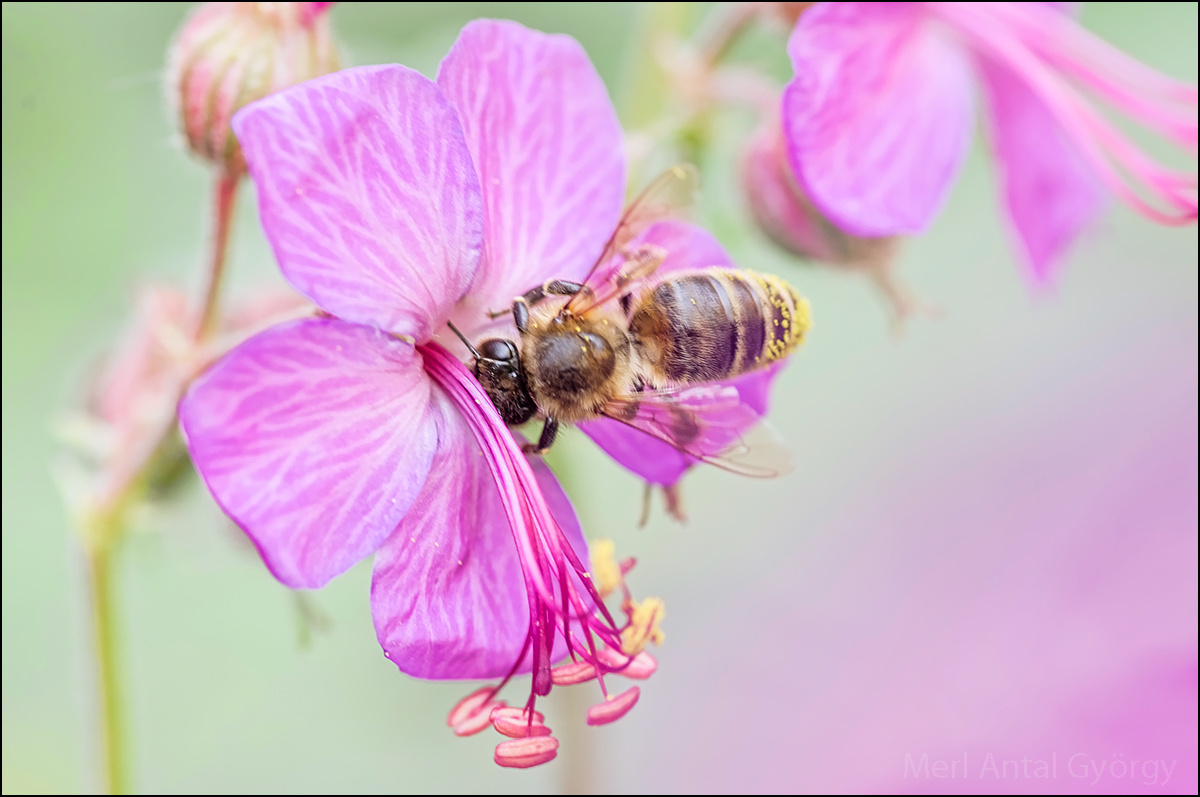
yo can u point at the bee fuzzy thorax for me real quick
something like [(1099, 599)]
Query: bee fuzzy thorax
[(575, 364)]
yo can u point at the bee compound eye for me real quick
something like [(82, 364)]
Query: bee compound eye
[(498, 349)]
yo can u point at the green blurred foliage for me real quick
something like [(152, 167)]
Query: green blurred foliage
[(98, 198)]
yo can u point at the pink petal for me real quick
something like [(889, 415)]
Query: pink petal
[(878, 115), (549, 150), (1051, 192), (448, 595), (367, 194), (313, 437), (687, 247)]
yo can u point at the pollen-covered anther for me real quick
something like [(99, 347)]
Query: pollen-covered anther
[(473, 713), (527, 752), (574, 673), (643, 627), (606, 572), (613, 708)]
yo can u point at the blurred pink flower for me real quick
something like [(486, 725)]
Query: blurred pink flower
[(1013, 588), (396, 204), (878, 119), (130, 407)]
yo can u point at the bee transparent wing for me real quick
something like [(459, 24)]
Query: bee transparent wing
[(618, 268), (708, 422)]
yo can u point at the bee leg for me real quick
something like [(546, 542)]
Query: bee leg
[(562, 288), (520, 313), (549, 432), (521, 304), (553, 288)]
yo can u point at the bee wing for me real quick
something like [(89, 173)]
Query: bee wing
[(708, 422), (616, 269)]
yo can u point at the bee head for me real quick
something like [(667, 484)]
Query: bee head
[(498, 369)]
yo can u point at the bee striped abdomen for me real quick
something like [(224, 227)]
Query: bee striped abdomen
[(717, 323)]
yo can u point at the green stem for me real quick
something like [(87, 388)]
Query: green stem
[(723, 29), (104, 523), (113, 755), (223, 205)]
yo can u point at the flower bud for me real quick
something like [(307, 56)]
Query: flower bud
[(229, 54), (782, 211)]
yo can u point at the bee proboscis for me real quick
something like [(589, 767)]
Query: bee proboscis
[(647, 351)]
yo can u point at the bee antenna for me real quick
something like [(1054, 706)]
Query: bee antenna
[(463, 338)]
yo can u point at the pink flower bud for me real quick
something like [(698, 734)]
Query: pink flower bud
[(776, 202), (229, 54), (786, 215)]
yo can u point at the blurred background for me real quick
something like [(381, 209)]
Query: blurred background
[(988, 547)]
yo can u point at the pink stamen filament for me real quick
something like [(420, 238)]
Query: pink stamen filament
[(1150, 96), (1088, 129), (542, 548)]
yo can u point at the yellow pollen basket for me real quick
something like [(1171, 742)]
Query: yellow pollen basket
[(606, 572), (643, 626)]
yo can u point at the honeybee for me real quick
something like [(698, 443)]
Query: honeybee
[(645, 352)]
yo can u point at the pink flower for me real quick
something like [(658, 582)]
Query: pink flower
[(879, 114), (396, 204)]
